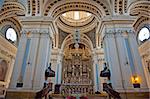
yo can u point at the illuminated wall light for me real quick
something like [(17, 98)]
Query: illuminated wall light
[(136, 81)]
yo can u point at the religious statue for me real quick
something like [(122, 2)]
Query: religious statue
[(49, 72), (105, 72), (107, 87), (3, 69)]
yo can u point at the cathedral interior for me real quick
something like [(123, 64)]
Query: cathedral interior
[(74, 49)]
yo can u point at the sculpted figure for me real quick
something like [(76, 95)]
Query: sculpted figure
[(3, 69)]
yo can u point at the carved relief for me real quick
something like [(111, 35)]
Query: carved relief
[(77, 70), (3, 69), (148, 66)]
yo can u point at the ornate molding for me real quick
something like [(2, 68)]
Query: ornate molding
[(118, 32), (144, 49), (11, 9), (7, 49), (35, 31), (140, 8), (7, 54), (99, 8), (84, 27)]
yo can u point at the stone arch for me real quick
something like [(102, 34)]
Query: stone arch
[(84, 40), (3, 69), (11, 9), (139, 7), (99, 9), (11, 23)]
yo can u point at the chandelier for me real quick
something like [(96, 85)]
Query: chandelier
[(76, 38)]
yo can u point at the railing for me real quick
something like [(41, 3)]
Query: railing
[(44, 92), (76, 89), (111, 92), (2, 89)]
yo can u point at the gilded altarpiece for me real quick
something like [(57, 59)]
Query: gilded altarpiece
[(77, 71)]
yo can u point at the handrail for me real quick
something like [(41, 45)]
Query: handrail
[(44, 92), (110, 91)]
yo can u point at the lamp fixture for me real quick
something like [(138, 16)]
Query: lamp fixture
[(76, 38)]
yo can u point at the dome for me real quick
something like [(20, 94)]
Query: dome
[(75, 16)]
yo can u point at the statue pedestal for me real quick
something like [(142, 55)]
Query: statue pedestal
[(57, 89)]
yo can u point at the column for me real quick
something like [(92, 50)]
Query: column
[(32, 58), (96, 73), (122, 57), (114, 53), (59, 69)]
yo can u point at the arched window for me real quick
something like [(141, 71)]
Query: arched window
[(11, 35), (144, 34)]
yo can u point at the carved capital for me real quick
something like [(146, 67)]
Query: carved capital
[(35, 31), (118, 32)]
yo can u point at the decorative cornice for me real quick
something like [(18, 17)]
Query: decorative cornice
[(35, 31), (115, 22), (7, 49), (118, 30)]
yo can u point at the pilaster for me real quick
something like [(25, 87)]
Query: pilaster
[(33, 55), (121, 54)]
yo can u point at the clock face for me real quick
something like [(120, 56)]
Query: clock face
[(144, 34), (11, 34)]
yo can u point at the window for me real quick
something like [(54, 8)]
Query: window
[(11, 35), (144, 34), (76, 15)]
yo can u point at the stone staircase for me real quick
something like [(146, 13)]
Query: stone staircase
[(88, 96)]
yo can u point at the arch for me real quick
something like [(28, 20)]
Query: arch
[(83, 39), (3, 69), (139, 7), (13, 23), (84, 27), (11, 9), (140, 22), (58, 7)]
